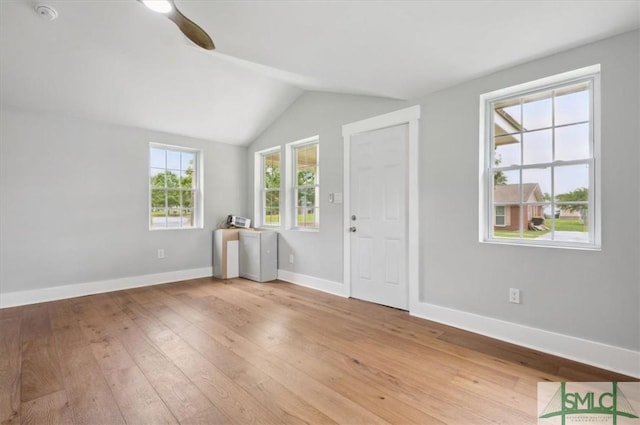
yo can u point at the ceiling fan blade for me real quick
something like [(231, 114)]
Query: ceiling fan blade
[(190, 28)]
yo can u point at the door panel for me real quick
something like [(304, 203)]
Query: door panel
[(378, 187)]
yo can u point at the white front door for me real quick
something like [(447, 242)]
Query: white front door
[(378, 217)]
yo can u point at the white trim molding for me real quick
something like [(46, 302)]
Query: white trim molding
[(589, 75), (594, 353), (410, 116), (53, 293), (258, 183), (291, 179), (328, 286)]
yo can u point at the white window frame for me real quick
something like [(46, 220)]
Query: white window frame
[(486, 213), (292, 187), (198, 206), (259, 189)]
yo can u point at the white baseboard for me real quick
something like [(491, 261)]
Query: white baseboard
[(593, 353), (33, 296), (597, 354), (605, 356), (331, 287)]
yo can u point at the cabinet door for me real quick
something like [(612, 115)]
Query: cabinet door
[(250, 255), (232, 260), (269, 258)]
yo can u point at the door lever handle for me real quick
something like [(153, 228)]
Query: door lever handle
[(352, 229)]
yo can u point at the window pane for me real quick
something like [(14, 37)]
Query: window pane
[(572, 142), (536, 185), (272, 207), (187, 160), (537, 147), (158, 158), (270, 194), (507, 150), (187, 217), (173, 160), (158, 211), (307, 217), (172, 179), (572, 104), (536, 111), (157, 178), (186, 179), (504, 225), (306, 176), (572, 225), (306, 181), (506, 178), (271, 167), (506, 117), (174, 171), (307, 155), (187, 199), (158, 220), (533, 220), (272, 216), (173, 201), (306, 198), (174, 221), (158, 198), (571, 183), (306, 209), (536, 135), (506, 198), (306, 165), (272, 199)]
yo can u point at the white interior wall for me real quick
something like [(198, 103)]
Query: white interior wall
[(317, 254), (74, 205), (74, 197), (586, 295)]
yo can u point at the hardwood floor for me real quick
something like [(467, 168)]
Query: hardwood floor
[(207, 351)]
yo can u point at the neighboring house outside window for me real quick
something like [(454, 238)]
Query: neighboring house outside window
[(540, 156), (506, 198), (303, 184), (175, 194), (268, 165)]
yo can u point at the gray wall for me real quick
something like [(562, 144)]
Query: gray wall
[(590, 295), (317, 254), (74, 197)]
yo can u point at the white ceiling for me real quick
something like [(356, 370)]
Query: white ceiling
[(116, 61)]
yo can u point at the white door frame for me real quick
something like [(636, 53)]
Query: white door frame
[(408, 116)]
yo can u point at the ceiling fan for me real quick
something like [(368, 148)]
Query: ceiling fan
[(186, 25)]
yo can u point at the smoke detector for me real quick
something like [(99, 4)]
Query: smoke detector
[(46, 12)]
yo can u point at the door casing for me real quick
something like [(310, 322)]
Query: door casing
[(411, 117)]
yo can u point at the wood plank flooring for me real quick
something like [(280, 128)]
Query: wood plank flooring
[(208, 351)]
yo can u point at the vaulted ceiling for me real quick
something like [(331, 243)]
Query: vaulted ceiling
[(118, 62)]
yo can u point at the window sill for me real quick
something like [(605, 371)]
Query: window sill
[(304, 230), (544, 244), (175, 228)]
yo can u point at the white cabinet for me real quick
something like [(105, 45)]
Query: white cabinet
[(258, 255), (225, 253)]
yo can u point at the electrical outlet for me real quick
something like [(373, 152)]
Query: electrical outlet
[(161, 253), (290, 258), (514, 295)]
